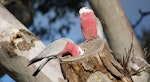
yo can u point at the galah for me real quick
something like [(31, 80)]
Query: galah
[(90, 24), (55, 50)]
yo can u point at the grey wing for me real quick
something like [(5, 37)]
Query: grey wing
[(54, 48), (99, 27)]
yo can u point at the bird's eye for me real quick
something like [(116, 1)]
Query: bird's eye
[(79, 52)]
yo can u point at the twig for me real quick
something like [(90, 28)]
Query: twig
[(143, 14)]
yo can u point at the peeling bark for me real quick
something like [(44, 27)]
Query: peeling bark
[(17, 46), (95, 61)]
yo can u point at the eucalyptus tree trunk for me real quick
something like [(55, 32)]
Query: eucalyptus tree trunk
[(17, 46), (98, 64), (120, 35)]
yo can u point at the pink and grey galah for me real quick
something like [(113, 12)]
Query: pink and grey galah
[(55, 50), (90, 24)]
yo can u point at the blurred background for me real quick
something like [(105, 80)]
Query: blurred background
[(53, 19)]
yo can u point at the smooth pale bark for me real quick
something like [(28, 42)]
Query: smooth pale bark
[(118, 30), (116, 27), (17, 47)]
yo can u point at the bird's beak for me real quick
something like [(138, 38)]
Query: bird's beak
[(81, 51)]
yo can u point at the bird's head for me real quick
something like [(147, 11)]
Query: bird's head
[(72, 49)]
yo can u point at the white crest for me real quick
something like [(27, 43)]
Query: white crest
[(85, 10)]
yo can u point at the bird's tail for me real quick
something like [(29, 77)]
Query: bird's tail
[(42, 65), (34, 60)]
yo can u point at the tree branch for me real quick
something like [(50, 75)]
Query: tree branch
[(17, 46), (118, 31), (142, 15)]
